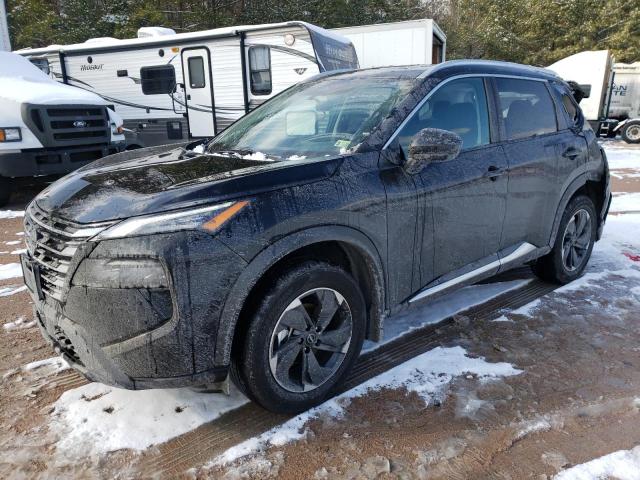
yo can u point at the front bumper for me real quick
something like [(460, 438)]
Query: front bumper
[(52, 161), (140, 338)]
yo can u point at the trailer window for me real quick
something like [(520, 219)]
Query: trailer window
[(526, 108), (196, 72), (156, 80), (260, 68)]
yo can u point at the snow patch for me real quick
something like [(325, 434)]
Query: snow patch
[(10, 270), (533, 427), (626, 202), (6, 291), (427, 375), (621, 465), (97, 418), (20, 324), (11, 213), (55, 364)]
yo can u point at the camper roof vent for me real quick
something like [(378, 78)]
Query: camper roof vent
[(101, 40), (147, 32)]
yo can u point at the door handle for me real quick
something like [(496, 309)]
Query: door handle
[(571, 153), (188, 97), (494, 172)]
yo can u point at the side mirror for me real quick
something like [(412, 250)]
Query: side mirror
[(432, 145)]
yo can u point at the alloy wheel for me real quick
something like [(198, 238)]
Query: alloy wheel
[(310, 340), (633, 133), (576, 240)]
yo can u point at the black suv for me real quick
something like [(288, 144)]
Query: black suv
[(269, 253)]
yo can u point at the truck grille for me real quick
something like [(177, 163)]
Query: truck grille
[(52, 244), (73, 125)]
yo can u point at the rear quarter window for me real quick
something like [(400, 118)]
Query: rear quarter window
[(571, 109), (526, 108)]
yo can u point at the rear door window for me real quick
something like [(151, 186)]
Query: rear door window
[(196, 72), (459, 106), (526, 108)]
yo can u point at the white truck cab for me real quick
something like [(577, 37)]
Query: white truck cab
[(48, 128)]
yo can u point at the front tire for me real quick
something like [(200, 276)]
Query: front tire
[(631, 132), (302, 340), (574, 243)]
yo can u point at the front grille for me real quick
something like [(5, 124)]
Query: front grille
[(73, 125), (65, 345), (52, 243)]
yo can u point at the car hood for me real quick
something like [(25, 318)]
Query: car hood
[(165, 178)]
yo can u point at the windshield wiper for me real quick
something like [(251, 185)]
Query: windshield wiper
[(241, 151)]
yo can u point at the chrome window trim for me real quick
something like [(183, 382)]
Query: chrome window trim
[(444, 82)]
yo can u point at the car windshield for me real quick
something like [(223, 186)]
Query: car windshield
[(323, 118)]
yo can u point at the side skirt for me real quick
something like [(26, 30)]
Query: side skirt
[(506, 259)]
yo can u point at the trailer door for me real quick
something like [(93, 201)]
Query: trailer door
[(198, 87)]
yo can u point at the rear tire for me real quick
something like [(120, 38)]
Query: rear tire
[(302, 340), (5, 191), (631, 132), (574, 243)]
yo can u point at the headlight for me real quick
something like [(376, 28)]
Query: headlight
[(207, 218), (11, 134), (120, 273)]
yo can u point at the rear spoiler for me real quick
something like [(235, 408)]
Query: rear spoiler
[(579, 91)]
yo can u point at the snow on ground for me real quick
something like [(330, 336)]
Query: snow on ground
[(625, 202), (11, 213), (97, 418), (19, 324), (621, 465), (11, 290), (41, 368), (10, 270), (427, 375), (51, 365), (624, 162)]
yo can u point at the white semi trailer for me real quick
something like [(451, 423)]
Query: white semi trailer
[(47, 128), (611, 92), (414, 42)]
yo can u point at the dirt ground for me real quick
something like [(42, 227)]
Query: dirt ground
[(577, 398)]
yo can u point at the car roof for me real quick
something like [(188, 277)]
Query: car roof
[(451, 68)]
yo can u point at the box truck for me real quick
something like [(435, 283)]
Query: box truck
[(47, 128)]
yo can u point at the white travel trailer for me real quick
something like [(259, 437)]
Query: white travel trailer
[(414, 42), (612, 104), (47, 128), (170, 87)]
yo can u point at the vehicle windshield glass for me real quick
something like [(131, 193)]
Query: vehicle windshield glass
[(316, 119)]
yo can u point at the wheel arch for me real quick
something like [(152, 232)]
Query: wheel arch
[(340, 245), (582, 185)]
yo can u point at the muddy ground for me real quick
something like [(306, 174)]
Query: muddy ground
[(577, 398)]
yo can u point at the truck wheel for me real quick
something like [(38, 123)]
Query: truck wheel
[(574, 243), (5, 191), (302, 340), (631, 132)]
